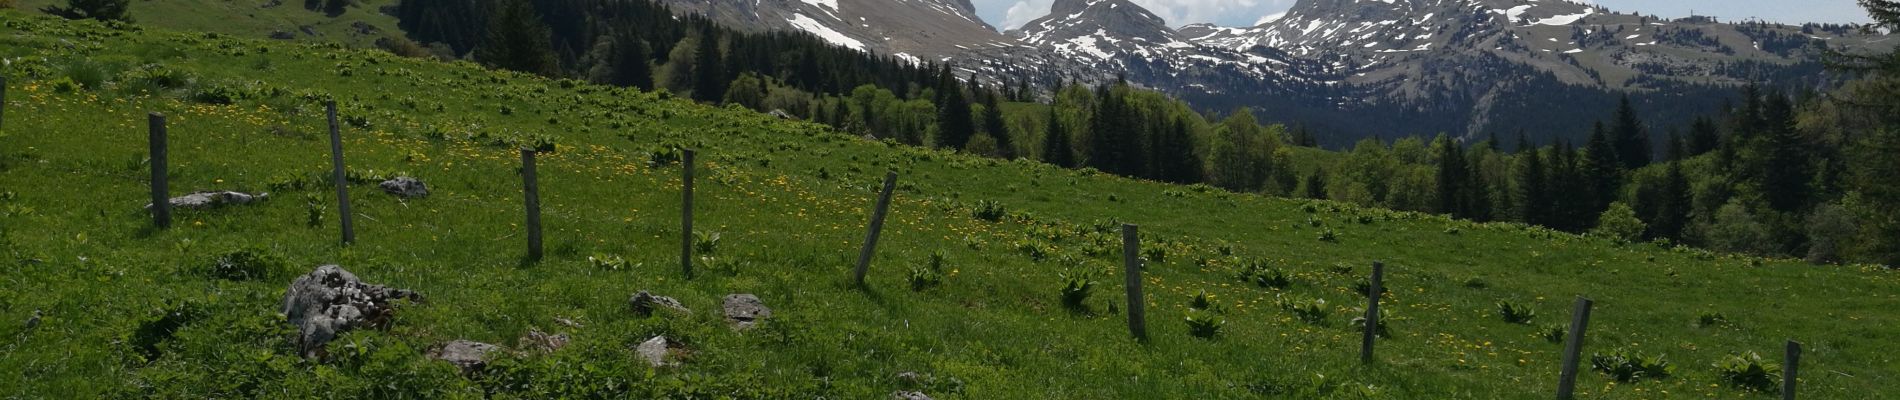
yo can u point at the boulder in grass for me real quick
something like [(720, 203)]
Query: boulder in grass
[(656, 352), (213, 199), (330, 301), (405, 187), (645, 304), (908, 395), (542, 342), (745, 310), (470, 356)]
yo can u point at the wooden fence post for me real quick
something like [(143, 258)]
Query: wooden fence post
[(161, 189), (1131, 263), (877, 225), (532, 191), (342, 179), (1789, 369), (3, 101), (1372, 311), (1573, 349), (686, 212)]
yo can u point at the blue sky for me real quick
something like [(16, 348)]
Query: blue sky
[(1007, 14)]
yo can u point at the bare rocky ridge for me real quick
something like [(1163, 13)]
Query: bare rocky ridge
[(1454, 61)]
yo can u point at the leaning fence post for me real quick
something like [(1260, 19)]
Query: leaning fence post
[(532, 191), (342, 180), (1372, 311), (1790, 366), (161, 190), (1579, 320), (1131, 263), (877, 225), (686, 212)]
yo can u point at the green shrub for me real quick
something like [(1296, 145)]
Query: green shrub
[(988, 210), (1516, 313), (1203, 323), (217, 93), (1312, 311), (1259, 273), (928, 275), (705, 242), (1711, 318), (1619, 224), (1076, 288), (1553, 333), (1201, 301), (1328, 236), (245, 265), (65, 85), (1629, 366), (1385, 319), (1747, 371)]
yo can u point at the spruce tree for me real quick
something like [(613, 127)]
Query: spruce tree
[(1629, 137), (1451, 177), (518, 40), (709, 75), (993, 124), (1315, 185), (954, 127), (1703, 137), (1603, 172), (1056, 148), (630, 68), (1532, 201), (1673, 204)]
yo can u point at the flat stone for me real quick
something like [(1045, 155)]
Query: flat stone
[(745, 310), (213, 199), (405, 187), (654, 351), (644, 304), (468, 355)]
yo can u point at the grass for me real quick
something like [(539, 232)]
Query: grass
[(130, 311)]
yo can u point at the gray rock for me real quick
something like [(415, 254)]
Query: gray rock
[(655, 352), (542, 342), (907, 395), (780, 114), (745, 310), (405, 187), (330, 301), (213, 199), (644, 304), (469, 355)]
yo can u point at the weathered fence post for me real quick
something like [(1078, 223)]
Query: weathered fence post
[(1573, 349), (686, 212), (1131, 263), (877, 225), (3, 101), (161, 190), (1372, 311), (1789, 367), (532, 191), (342, 179)]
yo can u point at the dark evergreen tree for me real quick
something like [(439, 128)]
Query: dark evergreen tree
[(1533, 203), (709, 74), (1703, 137), (954, 126), (993, 124), (1673, 204), (1056, 147), (1452, 178), (1603, 172), (1629, 137), (629, 64), (1784, 170), (1315, 185), (518, 40)]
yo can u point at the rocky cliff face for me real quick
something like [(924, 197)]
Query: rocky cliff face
[(1448, 65)]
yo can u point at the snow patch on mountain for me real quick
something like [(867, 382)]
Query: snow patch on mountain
[(808, 24)]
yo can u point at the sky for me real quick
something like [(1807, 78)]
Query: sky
[(1009, 14)]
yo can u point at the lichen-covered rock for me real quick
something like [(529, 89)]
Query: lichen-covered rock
[(542, 342), (330, 301), (213, 199), (469, 355), (645, 304), (907, 395), (405, 187), (654, 351), (745, 310)]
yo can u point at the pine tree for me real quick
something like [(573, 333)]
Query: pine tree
[(1532, 201), (954, 126), (1452, 177), (630, 68), (993, 124), (518, 40), (1673, 204), (1315, 185), (1056, 148), (1603, 171), (709, 75), (1629, 137), (1703, 137)]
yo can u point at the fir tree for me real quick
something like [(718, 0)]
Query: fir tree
[(709, 76), (993, 124), (1315, 185), (1673, 204), (954, 127), (518, 40), (1629, 137), (1532, 201), (1603, 171), (1056, 148)]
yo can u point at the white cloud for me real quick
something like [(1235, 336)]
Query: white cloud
[(1024, 11)]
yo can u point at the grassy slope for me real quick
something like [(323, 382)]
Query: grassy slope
[(256, 18), (77, 247)]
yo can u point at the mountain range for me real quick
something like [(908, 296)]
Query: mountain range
[(1351, 69)]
